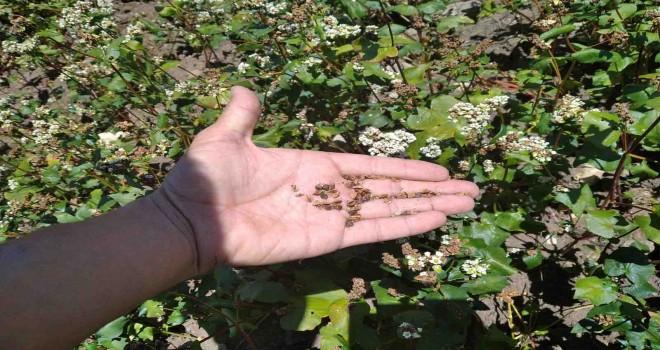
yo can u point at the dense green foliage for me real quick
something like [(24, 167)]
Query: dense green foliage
[(559, 134)]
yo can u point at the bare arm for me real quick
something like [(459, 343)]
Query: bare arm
[(64, 282)]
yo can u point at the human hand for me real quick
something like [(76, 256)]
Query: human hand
[(248, 205)]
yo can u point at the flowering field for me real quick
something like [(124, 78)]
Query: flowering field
[(551, 107)]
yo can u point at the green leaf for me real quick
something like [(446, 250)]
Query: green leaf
[(308, 311), (112, 330), (577, 201), (490, 234), (532, 261), (406, 10), (354, 8), (554, 32), (486, 284), (65, 218), (373, 117), (176, 318), (152, 309), (116, 84), (499, 262), (451, 22), (415, 74), (596, 290), (601, 222), (650, 225), (510, 221), (432, 7), (168, 11), (453, 293), (170, 64), (589, 55), (125, 198)]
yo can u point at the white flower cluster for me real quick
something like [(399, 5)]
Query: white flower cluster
[(434, 260), (243, 67), (198, 88), (432, 148), (395, 78), (260, 60), (108, 139), (333, 29), (81, 72), (312, 61), (42, 131), (80, 15), (569, 108), (9, 46), (12, 184), (464, 165), (5, 122), (132, 31), (475, 268), (358, 67), (386, 143), (476, 117), (537, 147), (275, 9), (488, 166), (409, 331)]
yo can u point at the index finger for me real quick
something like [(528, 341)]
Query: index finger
[(357, 164)]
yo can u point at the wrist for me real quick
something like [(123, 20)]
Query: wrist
[(172, 206)]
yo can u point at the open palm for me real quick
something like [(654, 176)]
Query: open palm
[(252, 206)]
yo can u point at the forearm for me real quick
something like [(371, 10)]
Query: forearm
[(62, 283)]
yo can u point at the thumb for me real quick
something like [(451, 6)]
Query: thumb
[(241, 113)]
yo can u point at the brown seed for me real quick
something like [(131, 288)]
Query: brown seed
[(327, 207), (394, 179), (324, 196), (309, 198), (325, 187), (299, 194), (294, 188), (318, 187), (349, 223), (356, 217), (335, 194), (331, 186)]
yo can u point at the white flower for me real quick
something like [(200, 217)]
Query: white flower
[(12, 184), (432, 149), (437, 258), (570, 107), (537, 147), (475, 119), (386, 144), (243, 67), (474, 268), (358, 67), (488, 166), (260, 60), (560, 188), (108, 138), (333, 29)]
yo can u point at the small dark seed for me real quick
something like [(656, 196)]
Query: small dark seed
[(325, 187), (318, 187), (349, 223), (324, 196)]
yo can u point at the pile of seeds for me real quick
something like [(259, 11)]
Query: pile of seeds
[(329, 197)]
